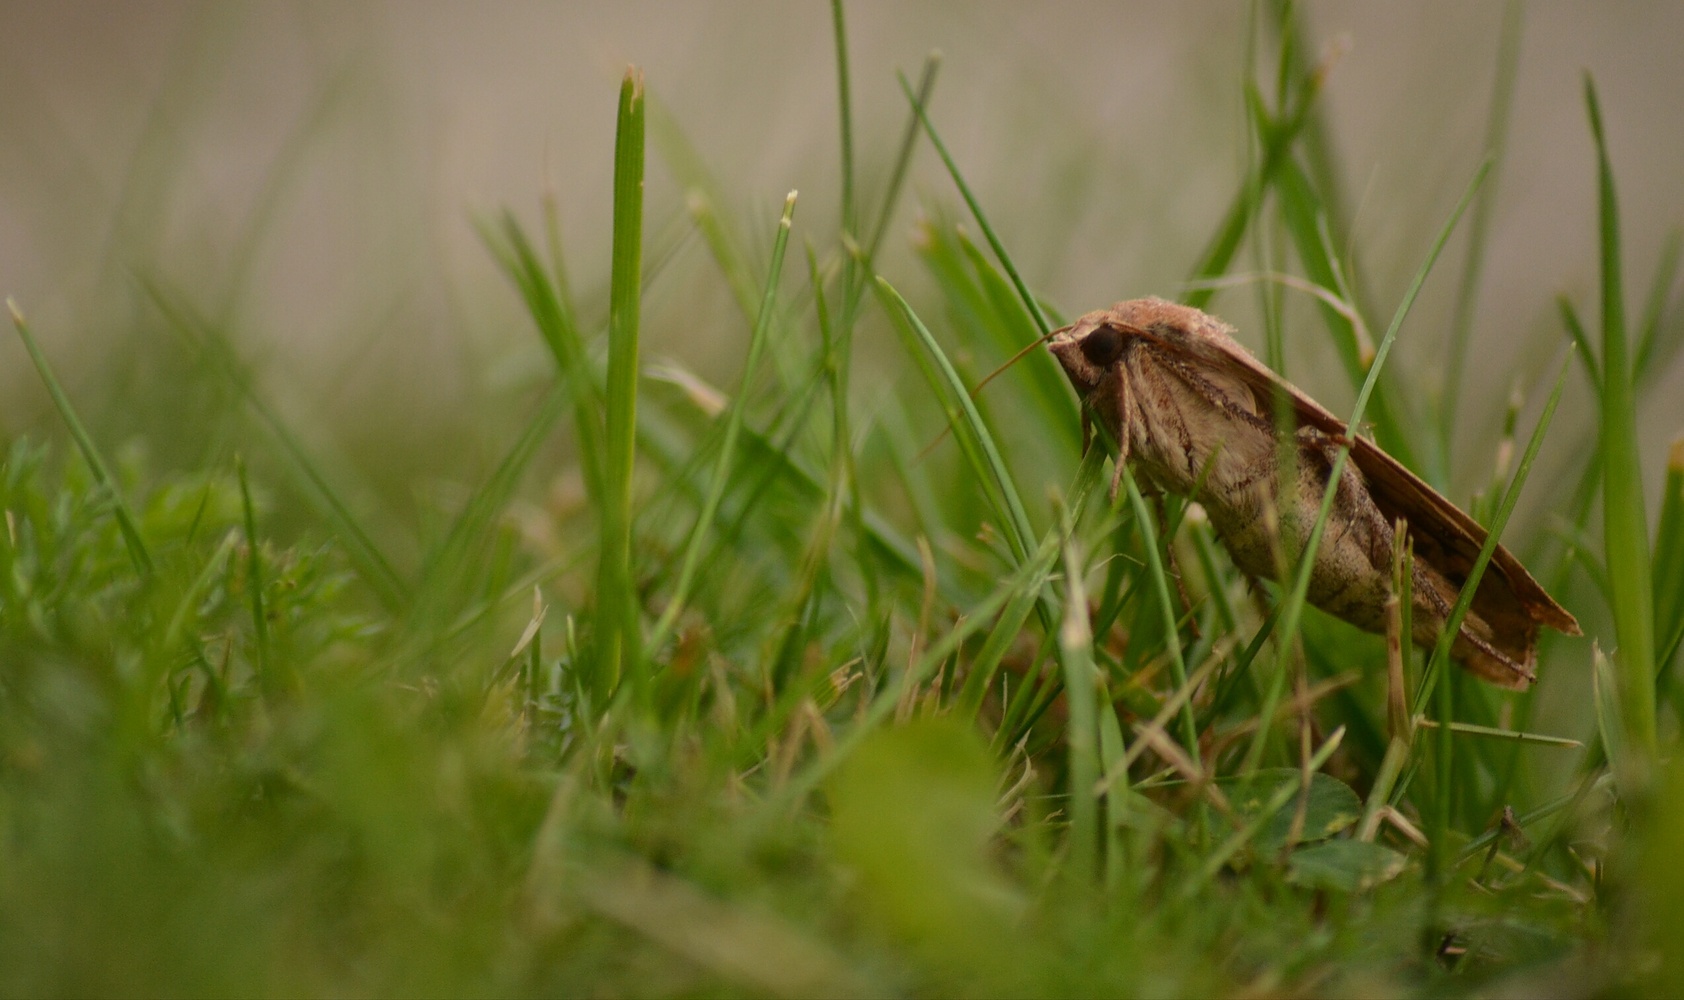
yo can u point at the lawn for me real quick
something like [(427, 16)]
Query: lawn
[(791, 682)]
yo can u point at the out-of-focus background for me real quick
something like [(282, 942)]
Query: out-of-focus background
[(308, 175)]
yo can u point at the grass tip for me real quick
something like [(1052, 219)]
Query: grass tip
[(17, 314), (1594, 107), (1675, 455)]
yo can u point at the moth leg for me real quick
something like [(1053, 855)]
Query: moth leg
[(1125, 433), (1173, 564)]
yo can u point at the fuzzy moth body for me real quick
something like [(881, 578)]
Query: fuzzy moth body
[(1193, 414)]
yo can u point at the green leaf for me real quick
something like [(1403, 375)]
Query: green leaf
[(1332, 806), (1344, 866)]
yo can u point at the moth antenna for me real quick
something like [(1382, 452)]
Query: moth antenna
[(1014, 359)]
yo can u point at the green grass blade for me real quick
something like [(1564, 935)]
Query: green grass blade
[(1293, 607), (1473, 265), (1625, 525), (371, 563), (1029, 300), (733, 429), (1305, 219), (1669, 563), (1505, 735), (254, 579), (1650, 347), (1277, 144), (138, 554), (967, 423), (1440, 657), (1081, 685), (547, 304), (1143, 523), (845, 116), (617, 650), (1581, 341), (903, 159)]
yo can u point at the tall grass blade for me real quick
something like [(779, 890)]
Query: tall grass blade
[(1473, 265), (845, 116), (1293, 607), (1029, 300), (1669, 565), (1081, 683), (138, 554), (1160, 584), (546, 301), (733, 429), (967, 423), (1625, 525), (617, 639), (371, 563)]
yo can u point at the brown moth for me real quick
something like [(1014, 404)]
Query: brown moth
[(1192, 413)]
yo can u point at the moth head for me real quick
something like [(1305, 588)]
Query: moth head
[(1089, 348)]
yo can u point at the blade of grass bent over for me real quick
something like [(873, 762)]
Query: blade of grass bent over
[(370, 562), (988, 465), (85, 443)]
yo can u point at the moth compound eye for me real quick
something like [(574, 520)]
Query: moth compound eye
[(1102, 346)]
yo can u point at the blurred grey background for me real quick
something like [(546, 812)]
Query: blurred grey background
[(309, 173)]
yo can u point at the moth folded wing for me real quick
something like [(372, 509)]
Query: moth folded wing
[(1498, 638)]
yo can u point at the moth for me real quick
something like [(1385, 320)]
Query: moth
[(1193, 413)]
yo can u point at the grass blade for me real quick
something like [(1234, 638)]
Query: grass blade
[(1625, 525), (967, 424), (1473, 266), (557, 324), (1029, 301), (1172, 634), (1293, 607), (85, 444), (733, 428), (1669, 562), (371, 563), (1081, 681), (254, 579), (617, 602)]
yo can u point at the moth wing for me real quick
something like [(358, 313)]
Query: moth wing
[(1443, 532)]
